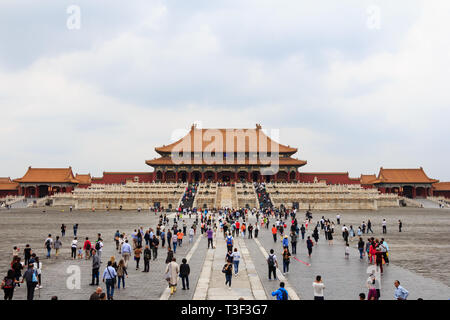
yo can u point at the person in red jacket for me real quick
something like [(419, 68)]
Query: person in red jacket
[(87, 248)]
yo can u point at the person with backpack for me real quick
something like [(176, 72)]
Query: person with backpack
[(121, 273), (30, 277), (17, 267), (184, 273), (281, 293), (228, 271), (99, 248), (272, 263), (8, 284), (230, 242), (87, 248), (309, 246), (147, 258), (48, 245)]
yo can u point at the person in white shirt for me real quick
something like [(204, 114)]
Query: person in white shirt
[(191, 235), (318, 288), (74, 248), (236, 258)]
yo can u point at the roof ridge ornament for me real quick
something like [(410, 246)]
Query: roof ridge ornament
[(258, 126)]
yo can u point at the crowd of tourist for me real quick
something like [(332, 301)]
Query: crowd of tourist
[(144, 243)]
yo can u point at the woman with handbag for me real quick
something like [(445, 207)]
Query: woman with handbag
[(171, 275)]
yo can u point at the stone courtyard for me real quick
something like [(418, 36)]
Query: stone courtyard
[(419, 256)]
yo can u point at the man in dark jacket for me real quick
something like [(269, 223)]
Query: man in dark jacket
[(95, 268), (155, 244), (147, 258), (30, 276), (184, 274)]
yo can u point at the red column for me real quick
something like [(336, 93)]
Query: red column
[(249, 176), (36, 193), (276, 177), (414, 192), (176, 176), (164, 176), (430, 192), (202, 177), (189, 177), (215, 176), (289, 176), (235, 177)]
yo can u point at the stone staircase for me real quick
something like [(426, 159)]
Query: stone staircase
[(226, 197)]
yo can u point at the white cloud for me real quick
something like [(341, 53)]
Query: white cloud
[(349, 98)]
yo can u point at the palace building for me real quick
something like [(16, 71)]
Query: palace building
[(411, 183), (41, 182), (226, 155)]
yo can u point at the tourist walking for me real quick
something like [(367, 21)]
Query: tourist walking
[(285, 241), (17, 267), (369, 226), (169, 255), (48, 245), (274, 233), (155, 245), (281, 293), (318, 286), (371, 285), (126, 252), (109, 276), (383, 224), (400, 292), (210, 234), (63, 230), (286, 260), (228, 271), (30, 276), (73, 248), (87, 247), (309, 246), (236, 259), (95, 268), (171, 275), (230, 242), (272, 263), (185, 270), (147, 258), (121, 273), (27, 254), (294, 242), (57, 245), (75, 229), (361, 248), (37, 265), (137, 255), (8, 285)]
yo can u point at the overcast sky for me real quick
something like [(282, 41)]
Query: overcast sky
[(354, 85)]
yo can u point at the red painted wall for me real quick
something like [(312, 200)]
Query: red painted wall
[(330, 178), (441, 193), (4, 193)]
